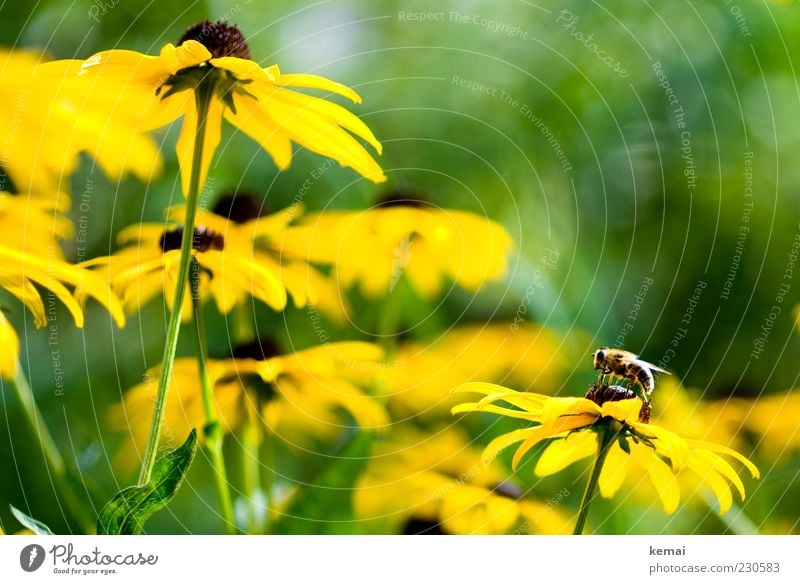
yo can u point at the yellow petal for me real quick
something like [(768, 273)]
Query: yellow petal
[(333, 112), (626, 409), (614, 471), (661, 476), (720, 487), (242, 69), (502, 442), (9, 353), (186, 141), (724, 450), (667, 443), (189, 54), (482, 387), (702, 459), (563, 452), (316, 82), (492, 409), (565, 407), (251, 119), (321, 136), (25, 292), (534, 437)]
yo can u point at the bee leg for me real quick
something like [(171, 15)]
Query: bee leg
[(643, 393)]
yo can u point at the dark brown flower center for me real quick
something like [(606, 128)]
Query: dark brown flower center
[(260, 349), (601, 394), (238, 207), (204, 239), (6, 184), (415, 526), (401, 198), (220, 38)]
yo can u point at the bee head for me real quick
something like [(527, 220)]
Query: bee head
[(599, 356)]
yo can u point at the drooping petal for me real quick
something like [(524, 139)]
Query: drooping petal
[(729, 452), (662, 477), (25, 292), (254, 121), (534, 437), (186, 141), (703, 459), (719, 486), (496, 446), (563, 452), (333, 112), (614, 471), (313, 82), (9, 354)]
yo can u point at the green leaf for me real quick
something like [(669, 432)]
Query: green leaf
[(35, 526), (126, 513)]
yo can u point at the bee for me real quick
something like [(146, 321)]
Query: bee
[(627, 365)]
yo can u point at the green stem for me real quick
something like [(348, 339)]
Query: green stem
[(606, 438), (212, 431), (52, 456), (251, 473), (389, 319), (269, 479), (203, 95)]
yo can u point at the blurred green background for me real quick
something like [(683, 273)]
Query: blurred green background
[(630, 137)]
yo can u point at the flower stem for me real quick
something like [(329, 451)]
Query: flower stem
[(203, 94), (251, 473), (606, 438), (212, 431), (52, 456)]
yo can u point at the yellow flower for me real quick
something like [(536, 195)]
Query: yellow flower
[(239, 253), (404, 238), (20, 271), (230, 270), (770, 420), (43, 130), (419, 382), (436, 483), (153, 91), (573, 425), (35, 224), (296, 394), (239, 219)]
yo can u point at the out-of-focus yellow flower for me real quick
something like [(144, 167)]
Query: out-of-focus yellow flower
[(437, 483), (240, 220), (409, 239), (44, 129), (20, 271), (420, 379), (149, 92), (238, 251), (764, 424), (35, 224), (296, 394), (573, 424), (230, 270), (770, 422)]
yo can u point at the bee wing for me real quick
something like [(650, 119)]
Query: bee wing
[(653, 367)]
